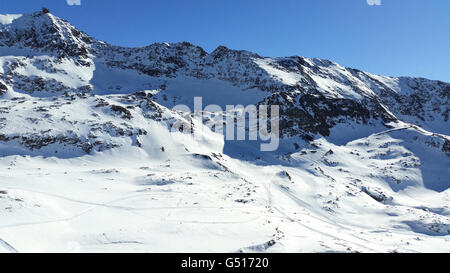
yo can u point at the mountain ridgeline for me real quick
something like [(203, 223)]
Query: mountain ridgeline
[(45, 56)]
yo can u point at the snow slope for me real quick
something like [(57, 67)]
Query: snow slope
[(88, 162), (359, 197)]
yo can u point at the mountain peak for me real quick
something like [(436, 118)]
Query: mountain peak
[(224, 52), (45, 10), (41, 31)]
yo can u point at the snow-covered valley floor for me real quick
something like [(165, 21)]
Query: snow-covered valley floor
[(127, 200)]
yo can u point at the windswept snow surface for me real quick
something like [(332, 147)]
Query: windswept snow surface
[(88, 162), (6, 19)]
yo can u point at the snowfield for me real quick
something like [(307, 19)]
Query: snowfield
[(88, 162), (382, 193)]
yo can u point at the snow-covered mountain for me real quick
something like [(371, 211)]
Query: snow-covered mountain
[(88, 163)]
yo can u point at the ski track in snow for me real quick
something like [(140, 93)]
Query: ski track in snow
[(7, 246)]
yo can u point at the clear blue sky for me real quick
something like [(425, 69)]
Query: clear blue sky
[(398, 38)]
